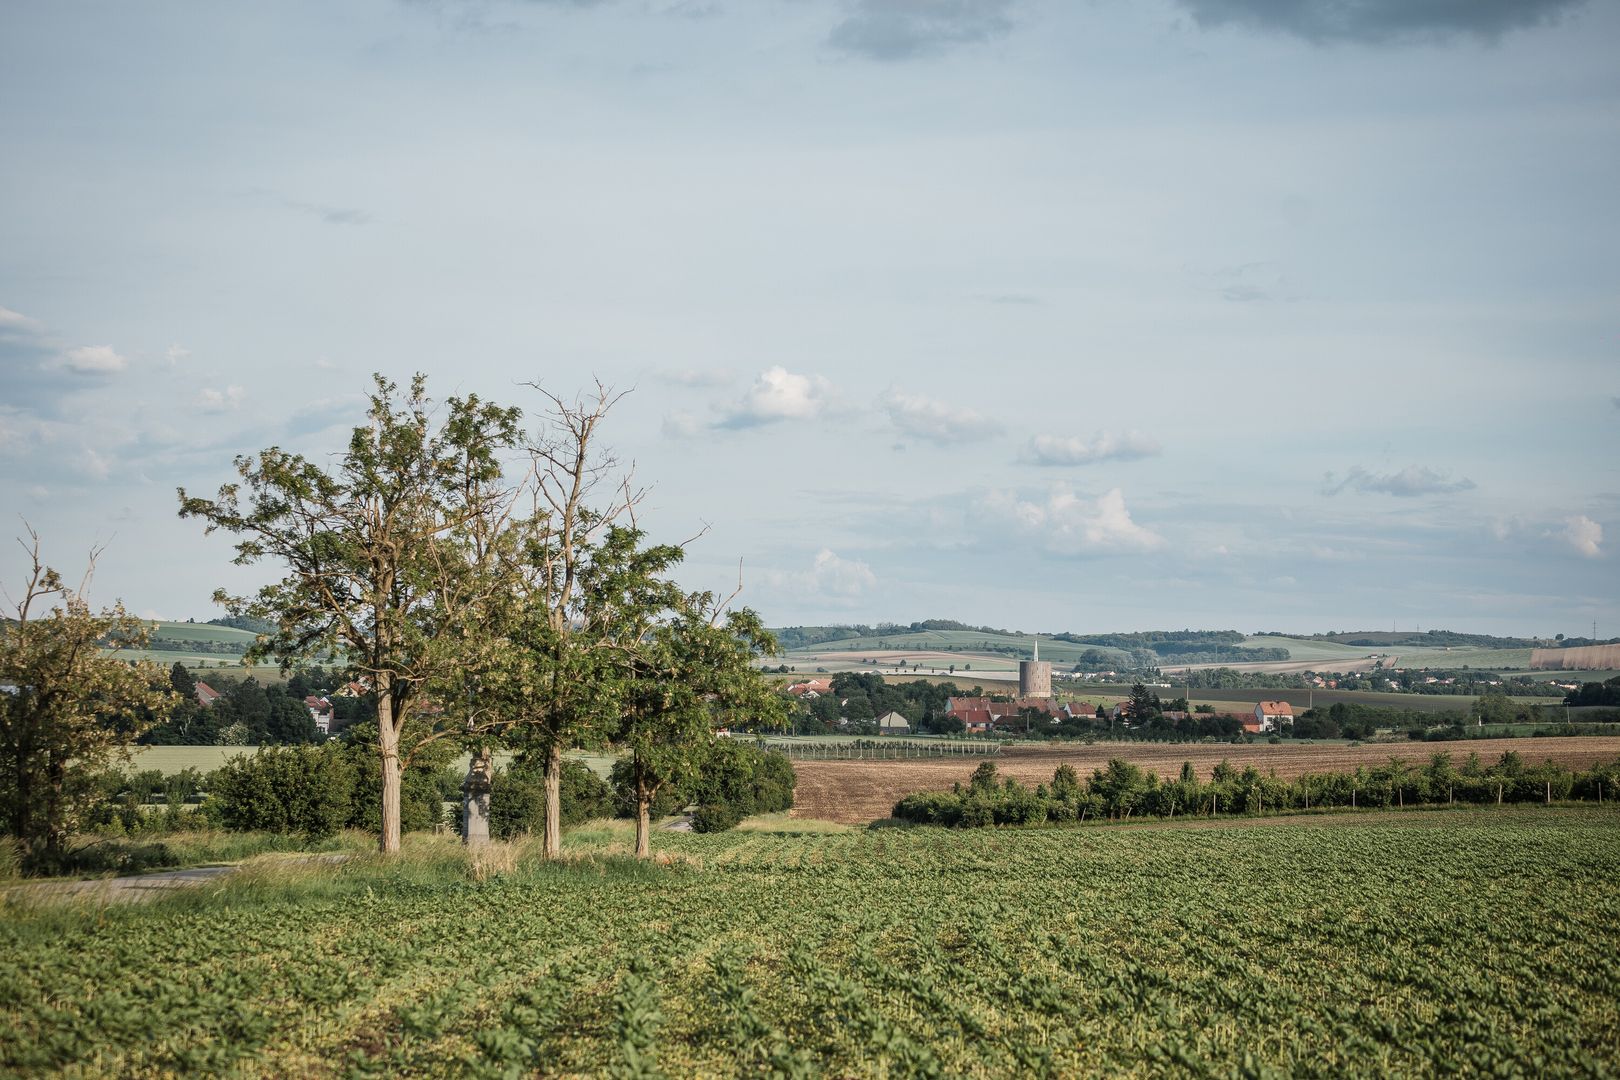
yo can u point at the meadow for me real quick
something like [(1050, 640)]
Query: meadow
[(1474, 941)]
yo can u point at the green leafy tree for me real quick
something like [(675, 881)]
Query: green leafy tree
[(687, 670), (67, 709), (375, 554)]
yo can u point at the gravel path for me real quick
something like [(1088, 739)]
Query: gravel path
[(136, 888)]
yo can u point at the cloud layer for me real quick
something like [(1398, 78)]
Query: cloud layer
[(1410, 482), (907, 29), (1376, 21)]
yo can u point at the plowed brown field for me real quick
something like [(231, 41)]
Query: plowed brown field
[(855, 792)]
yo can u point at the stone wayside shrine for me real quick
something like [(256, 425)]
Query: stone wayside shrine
[(1035, 675)]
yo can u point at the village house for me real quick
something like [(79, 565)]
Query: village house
[(207, 695), (892, 723), (811, 688), (1268, 715), (320, 711)]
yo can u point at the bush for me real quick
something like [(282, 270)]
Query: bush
[(716, 817), (669, 799), (421, 804), (517, 797), (738, 780), (287, 789)]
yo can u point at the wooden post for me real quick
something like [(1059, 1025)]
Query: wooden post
[(1549, 793), (1499, 793), (1352, 798)]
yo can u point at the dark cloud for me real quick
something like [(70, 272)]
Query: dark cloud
[(908, 29), (1375, 21), (1412, 481)]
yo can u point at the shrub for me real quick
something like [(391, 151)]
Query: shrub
[(287, 789), (716, 817), (517, 797), (669, 799)]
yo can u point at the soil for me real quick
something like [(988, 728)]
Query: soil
[(855, 792)]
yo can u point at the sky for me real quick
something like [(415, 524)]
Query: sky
[(1296, 315)]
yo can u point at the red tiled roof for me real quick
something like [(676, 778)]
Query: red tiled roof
[(1275, 708)]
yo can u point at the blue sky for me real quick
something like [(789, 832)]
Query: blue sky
[(1217, 313)]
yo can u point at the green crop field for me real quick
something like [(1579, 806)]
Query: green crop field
[(968, 641), (1407, 656), (1478, 942), (184, 631)]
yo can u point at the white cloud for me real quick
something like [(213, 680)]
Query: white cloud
[(1073, 450), (92, 360), (212, 400), (830, 576), (778, 394), (1584, 535), (1071, 524), (13, 320), (926, 418)]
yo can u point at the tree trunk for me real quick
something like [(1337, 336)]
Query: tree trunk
[(388, 745), (643, 826), (553, 839)]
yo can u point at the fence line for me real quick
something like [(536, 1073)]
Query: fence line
[(847, 752)]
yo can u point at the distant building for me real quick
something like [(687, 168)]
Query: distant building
[(811, 688), (1269, 714), (892, 723), (207, 695), (1035, 676), (320, 711)]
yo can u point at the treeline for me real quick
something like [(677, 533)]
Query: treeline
[(1155, 639), (190, 645), (1420, 638), (803, 637), (861, 698), (248, 712), (314, 792), (1595, 693), (1465, 682), (244, 622), (1122, 790)]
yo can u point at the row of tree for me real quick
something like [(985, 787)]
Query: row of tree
[(488, 584), (316, 791), (1123, 790)]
